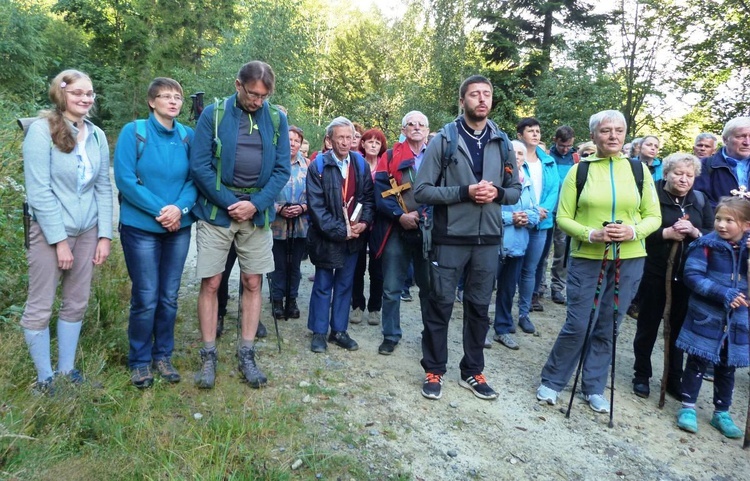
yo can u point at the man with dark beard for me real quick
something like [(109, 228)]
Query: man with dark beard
[(468, 170)]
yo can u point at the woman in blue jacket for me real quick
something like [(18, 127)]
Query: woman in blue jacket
[(151, 172)]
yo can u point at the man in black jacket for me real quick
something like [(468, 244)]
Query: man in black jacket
[(341, 207)]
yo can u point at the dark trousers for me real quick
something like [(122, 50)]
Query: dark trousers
[(447, 264), (375, 302), (223, 292), (287, 272), (692, 379), (653, 297)]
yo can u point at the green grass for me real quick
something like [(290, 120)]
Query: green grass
[(109, 430)]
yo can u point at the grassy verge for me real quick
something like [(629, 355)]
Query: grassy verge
[(109, 430)]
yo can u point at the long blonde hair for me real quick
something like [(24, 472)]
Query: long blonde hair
[(62, 135)]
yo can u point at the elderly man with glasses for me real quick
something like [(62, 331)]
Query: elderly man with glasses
[(239, 161)]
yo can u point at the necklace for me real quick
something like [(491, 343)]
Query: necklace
[(475, 137)]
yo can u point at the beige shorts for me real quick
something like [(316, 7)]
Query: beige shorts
[(253, 245)]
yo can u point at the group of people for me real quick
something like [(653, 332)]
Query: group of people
[(470, 207)]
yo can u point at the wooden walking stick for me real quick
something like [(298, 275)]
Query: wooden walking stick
[(667, 324), (746, 441)]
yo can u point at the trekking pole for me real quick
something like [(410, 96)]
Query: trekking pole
[(591, 322), (667, 322), (746, 441), (616, 298), (275, 321)]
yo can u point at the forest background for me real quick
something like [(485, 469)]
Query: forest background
[(674, 67)]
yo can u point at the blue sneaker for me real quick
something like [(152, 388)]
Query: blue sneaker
[(687, 421), (722, 421)]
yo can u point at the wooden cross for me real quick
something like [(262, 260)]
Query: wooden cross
[(396, 190)]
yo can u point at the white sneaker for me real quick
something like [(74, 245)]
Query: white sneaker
[(356, 316), (547, 395), (597, 402)]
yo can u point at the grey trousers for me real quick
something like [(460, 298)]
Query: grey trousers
[(583, 275), (559, 271)]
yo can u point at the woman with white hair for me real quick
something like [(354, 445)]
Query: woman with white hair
[(607, 221)]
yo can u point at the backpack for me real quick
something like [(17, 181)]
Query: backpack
[(220, 107), (450, 134), (319, 163), (583, 172)]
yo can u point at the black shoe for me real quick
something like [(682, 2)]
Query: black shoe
[(343, 340), (278, 309), (478, 385), (318, 343), (386, 347), (406, 295), (526, 325), (292, 310), (633, 311), (536, 303), (262, 331), (558, 297), (219, 326), (675, 390), (641, 390)]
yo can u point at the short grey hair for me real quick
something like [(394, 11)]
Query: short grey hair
[(673, 160), (734, 124), (634, 144), (611, 115), (517, 144), (339, 122), (706, 136), (414, 112)]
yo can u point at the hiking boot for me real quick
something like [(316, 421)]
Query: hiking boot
[(373, 318), (342, 339), (278, 309), (166, 370), (432, 387), (318, 343), (292, 310), (641, 389), (536, 303), (478, 385), (546, 394), (722, 421), (506, 340), (219, 326), (141, 376), (597, 402), (387, 347), (206, 378), (687, 420), (633, 311), (262, 331), (406, 296), (526, 325), (46, 387), (248, 368), (356, 316), (558, 297)]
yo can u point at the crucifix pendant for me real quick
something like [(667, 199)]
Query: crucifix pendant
[(479, 144)]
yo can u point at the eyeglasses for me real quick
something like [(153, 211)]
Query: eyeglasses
[(79, 94), (415, 124), (170, 97), (253, 95)]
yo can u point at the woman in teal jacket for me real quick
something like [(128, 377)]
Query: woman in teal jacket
[(151, 172)]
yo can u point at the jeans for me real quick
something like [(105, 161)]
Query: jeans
[(397, 256), (287, 272), (328, 284), (540, 278), (508, 273), (155, 262), (531, 260)]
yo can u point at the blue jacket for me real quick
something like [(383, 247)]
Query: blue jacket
[(163, 173), (516, 239), (274, 173), (715, 272), (718, 177), (550, 187), (655, 168), (563, 162)]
